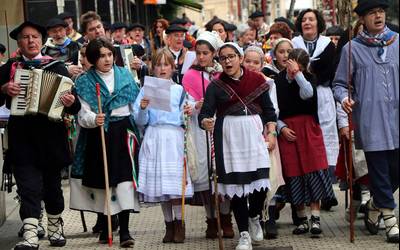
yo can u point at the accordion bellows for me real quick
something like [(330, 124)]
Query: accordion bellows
[(40, 93)]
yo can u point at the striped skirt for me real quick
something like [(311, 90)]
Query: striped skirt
[(311, 187)]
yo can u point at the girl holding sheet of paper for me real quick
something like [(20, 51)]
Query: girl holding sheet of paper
[(162, 150)]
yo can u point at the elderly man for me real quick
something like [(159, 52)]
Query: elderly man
[(118, 33), (175, 39), (136, 33), (61, 47), (68, 18), (262, 28), (38, 147), (375, 106)]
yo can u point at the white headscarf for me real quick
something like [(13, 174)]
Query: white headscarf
[(212, 38), (235, 45)]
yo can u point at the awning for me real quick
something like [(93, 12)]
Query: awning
[(189, 4)]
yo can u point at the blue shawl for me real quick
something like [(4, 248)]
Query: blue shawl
[(125, 92)]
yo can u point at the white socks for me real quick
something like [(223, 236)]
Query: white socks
[(315, 213), (177, 211), (390, 221), (30, 237), (373, 212), (54, 227)]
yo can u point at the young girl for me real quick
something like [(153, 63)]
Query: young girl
[(280, 52), (253, 60), (118, 91), (301, 143), (162, 151), (240, 100), (195, 82)]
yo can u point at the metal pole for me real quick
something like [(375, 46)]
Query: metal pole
[(111, 11)]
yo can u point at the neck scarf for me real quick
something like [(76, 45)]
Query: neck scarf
[(381, 40), (311, 45)]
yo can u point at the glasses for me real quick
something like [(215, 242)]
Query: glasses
[(375, 12), (230, 57)]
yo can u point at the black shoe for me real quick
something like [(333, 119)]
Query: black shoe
[(372, 226), (328, 204), (295, 219), (315, 225), (302, 228), (271, 231), (126, 240), (24, 247)]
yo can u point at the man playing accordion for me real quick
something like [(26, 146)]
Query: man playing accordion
[(38, 147)]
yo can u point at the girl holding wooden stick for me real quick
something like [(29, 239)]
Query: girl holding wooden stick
[(117, 92)]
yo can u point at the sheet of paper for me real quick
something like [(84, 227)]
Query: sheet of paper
[(189, 59), (159, 93)]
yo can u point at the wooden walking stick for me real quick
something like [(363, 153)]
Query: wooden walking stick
[(208, 156), (184, 176), (215, 180), (103, 145), (350, 141)]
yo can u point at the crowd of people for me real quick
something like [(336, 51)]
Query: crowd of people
[(266, 107)]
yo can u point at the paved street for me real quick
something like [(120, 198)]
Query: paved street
[(148, 230)]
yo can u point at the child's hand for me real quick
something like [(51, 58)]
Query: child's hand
[(144, 103), (187, 109), (199, 104), (100, 119), (292, 68)]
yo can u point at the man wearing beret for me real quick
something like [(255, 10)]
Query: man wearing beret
[(374, 104), (60, 47), (118, 33), (136, 33), (175, 38), (71, 32), (262, 28), (38, 147)]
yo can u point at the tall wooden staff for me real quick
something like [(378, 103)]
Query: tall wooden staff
[(208, 154), (350, 141), (103, 145), (215, 179), (184, 175)]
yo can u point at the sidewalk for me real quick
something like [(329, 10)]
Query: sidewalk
[(147, 228)]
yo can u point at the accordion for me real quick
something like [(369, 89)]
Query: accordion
[(40, 93)]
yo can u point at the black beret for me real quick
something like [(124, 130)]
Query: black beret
[(174, 28), (65, 15), (116, 26), (363, 6), (256, 14), (54, 22), (230, 27), (137, 25), (14, 33)]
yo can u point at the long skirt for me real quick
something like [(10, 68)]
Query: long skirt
[(200, 141), (245, 156), (162, 166), (88, 190), (327, 121), (304, 162)]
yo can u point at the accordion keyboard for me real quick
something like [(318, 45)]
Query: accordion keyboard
[(21, 102)]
